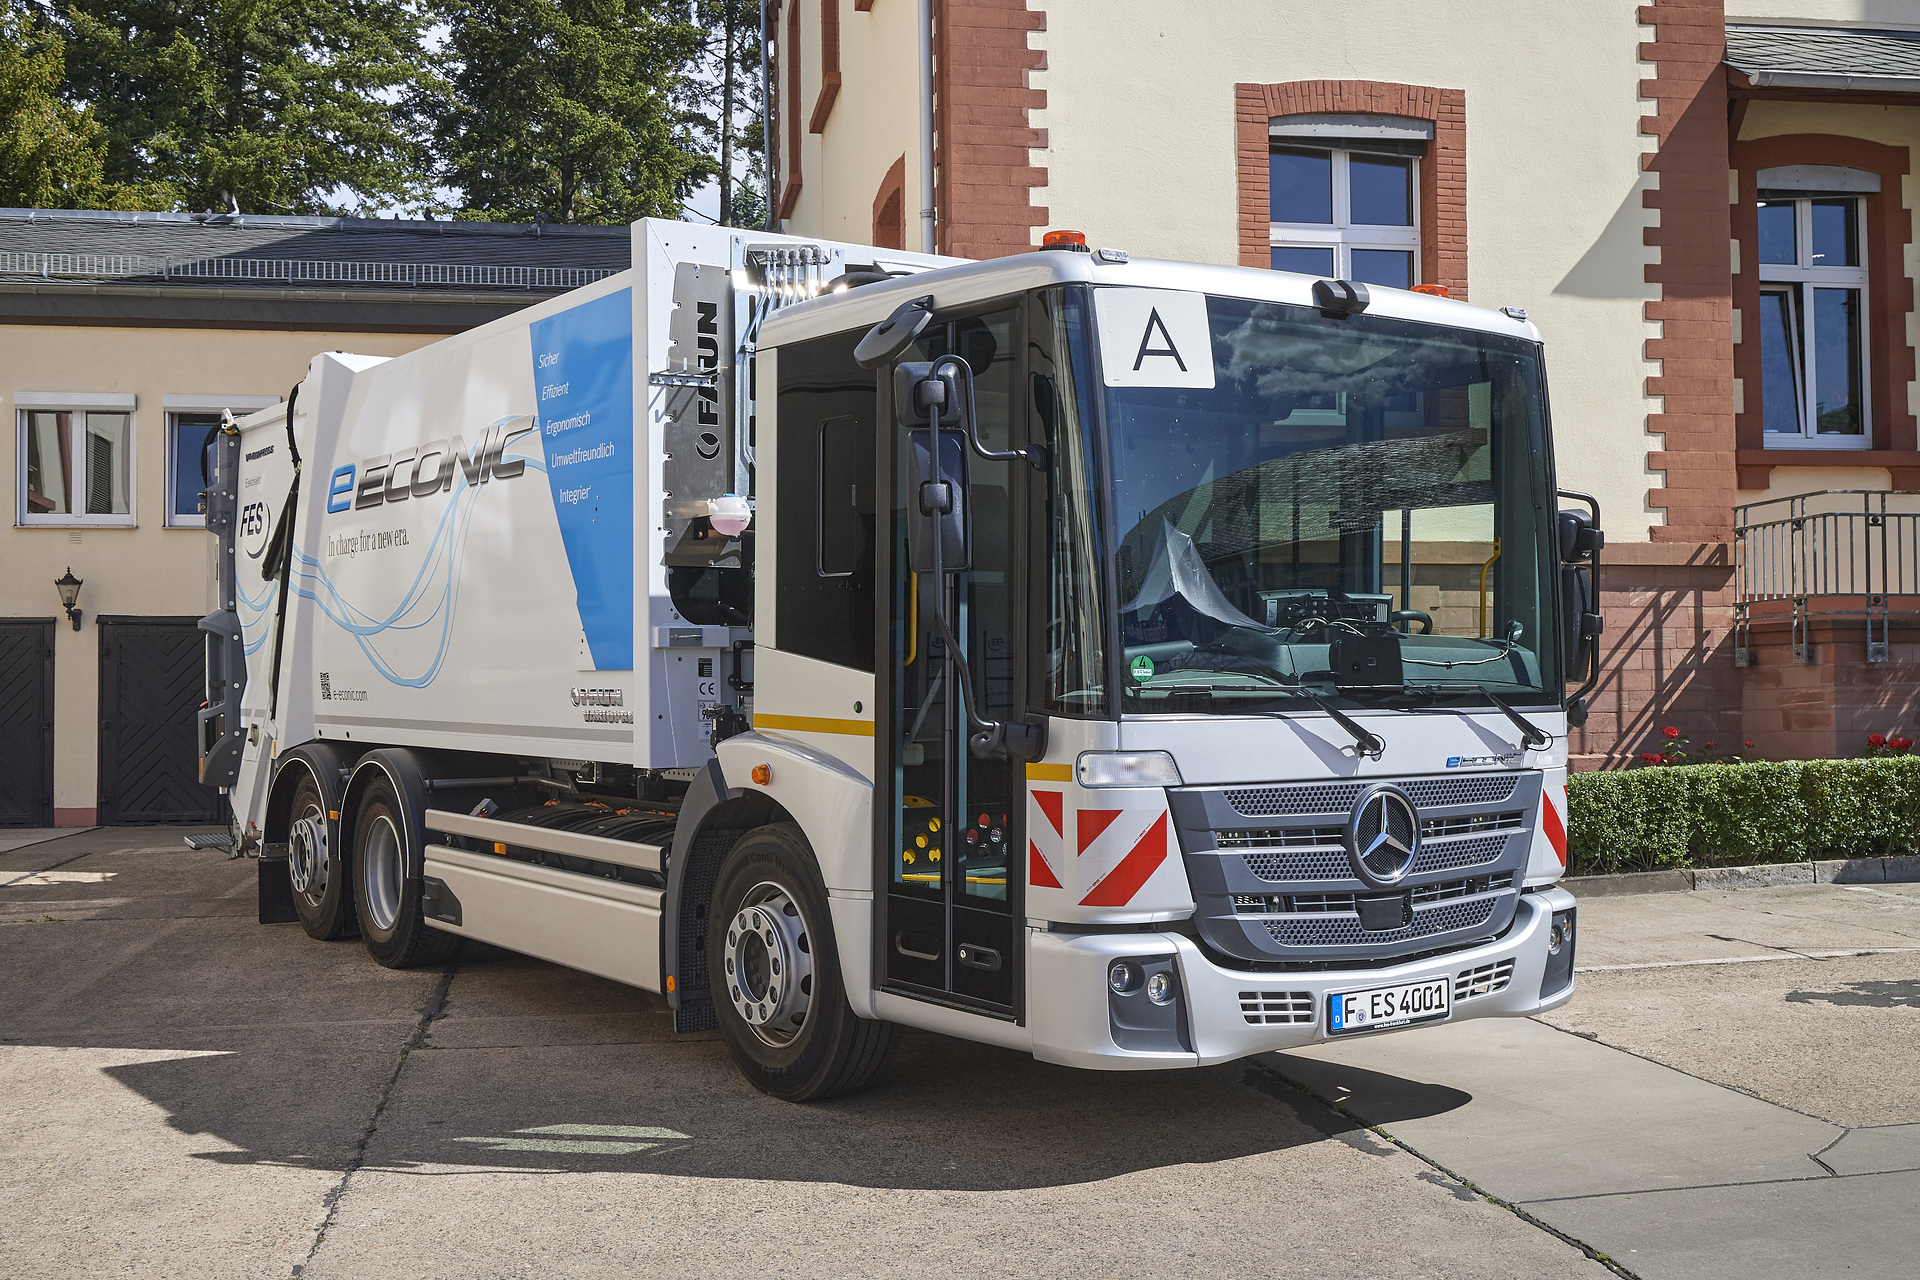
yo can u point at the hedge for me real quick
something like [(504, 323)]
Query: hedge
[(1709, 815)]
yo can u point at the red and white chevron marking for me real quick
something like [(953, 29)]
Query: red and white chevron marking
[(1114, 851)]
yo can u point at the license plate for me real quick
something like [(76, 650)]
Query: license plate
[(1382, 1007)]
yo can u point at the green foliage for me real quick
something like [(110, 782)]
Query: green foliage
[(274, 104), (724, 105), (52, 154), (564, 109), (1740, 814)]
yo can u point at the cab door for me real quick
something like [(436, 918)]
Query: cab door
[(949, 826)]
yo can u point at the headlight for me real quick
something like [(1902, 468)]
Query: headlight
[(1160, 988), (1127, 769)]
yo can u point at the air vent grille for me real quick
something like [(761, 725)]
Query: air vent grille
[(1482, 981), (1268, 1007), (1345, 931)]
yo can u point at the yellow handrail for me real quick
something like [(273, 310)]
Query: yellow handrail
[(1483, 587), (913, 619)]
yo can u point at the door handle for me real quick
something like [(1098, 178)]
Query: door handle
[(975, 956), (900, 944)]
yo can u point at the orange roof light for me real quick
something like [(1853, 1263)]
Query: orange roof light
[(1075, 240), (1437, 290)]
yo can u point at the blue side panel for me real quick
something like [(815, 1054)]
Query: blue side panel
[(583, 379)]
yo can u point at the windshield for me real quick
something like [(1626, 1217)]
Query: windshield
[(1357, 491)]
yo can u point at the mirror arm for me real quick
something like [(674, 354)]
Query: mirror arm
[(1034, 455)]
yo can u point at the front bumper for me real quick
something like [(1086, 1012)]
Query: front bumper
[(1068, 1006)]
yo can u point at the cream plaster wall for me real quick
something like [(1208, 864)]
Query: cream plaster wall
[(1141, 154), (874, 122), (150, 569), (1890, 126)]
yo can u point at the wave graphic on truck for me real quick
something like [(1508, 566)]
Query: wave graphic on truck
[(445, 551)]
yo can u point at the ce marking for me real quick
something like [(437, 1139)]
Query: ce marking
[(709, 688)]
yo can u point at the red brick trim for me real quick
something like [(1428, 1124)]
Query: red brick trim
[(862, 6), (890, 208), (1890, 359), (1443, 174), (1694, 274), (985, 178), (76, 817), (790, 193), (829, 65)]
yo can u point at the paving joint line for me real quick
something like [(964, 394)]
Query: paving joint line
[(1594, 1038), (1722, 1186), (1516, 1210), (1790, 955), (331, 1201)]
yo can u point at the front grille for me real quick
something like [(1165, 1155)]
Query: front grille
[(1266, 1007), (1345, 930), (1455, 854), (1281, 838), (1436, 828), (1483, 981), (1314, 904), (1317, 864), (1338, 797)]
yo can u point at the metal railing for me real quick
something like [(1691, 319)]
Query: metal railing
[(1830, 554), (123, 266)]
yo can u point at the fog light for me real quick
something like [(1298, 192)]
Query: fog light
[(1160, 988), (1560, 935), (1124, 978)]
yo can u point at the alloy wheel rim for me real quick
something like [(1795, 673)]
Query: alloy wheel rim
[(307, 854), (768, 959)]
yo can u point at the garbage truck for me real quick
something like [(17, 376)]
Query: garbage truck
[(1137, 664)]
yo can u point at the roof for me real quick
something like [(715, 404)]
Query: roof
[(160, 248), (1826, 58), (68, 266)]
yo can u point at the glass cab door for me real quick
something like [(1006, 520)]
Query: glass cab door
[(948, 824)]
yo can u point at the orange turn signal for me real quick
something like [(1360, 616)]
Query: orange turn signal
[(762, 774), (669, 982), (1437, 290)]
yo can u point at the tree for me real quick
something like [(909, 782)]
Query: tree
[(563, 110), (270, 105), (727, 107), (53, 156)]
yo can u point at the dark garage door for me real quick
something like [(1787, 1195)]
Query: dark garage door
[(26, 723), (152, 682)]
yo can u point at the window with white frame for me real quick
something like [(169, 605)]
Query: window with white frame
[(192, 421), (1345, 197), (75, 459), (1812, 322)]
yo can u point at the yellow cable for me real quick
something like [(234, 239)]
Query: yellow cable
[(1483, 587)]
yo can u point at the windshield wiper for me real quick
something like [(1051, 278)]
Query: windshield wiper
[(1531, 734), (1366, 744)]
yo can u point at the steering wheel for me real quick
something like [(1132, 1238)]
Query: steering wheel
[(1413, 615)]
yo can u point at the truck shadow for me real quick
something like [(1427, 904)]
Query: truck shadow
[(948, 1115)]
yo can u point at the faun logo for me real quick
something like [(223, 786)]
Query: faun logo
[(599, 697), (427, 469)]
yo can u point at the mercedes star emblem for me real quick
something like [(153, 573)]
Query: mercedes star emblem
[(1383, 836)]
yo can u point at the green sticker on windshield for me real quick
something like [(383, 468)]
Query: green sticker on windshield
[(1142, 668)]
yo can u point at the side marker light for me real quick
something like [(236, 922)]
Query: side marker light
[(762, 774)]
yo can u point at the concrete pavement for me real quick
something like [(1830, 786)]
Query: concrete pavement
[(185, 1092)]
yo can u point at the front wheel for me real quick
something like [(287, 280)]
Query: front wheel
[(775, 972), (387, 901)]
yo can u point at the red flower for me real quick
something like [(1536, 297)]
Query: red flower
[(1671, 732), (1749, 744), (1876, 739), (1709, 746), (1648, 757), (1671, 759), (1901, 744)]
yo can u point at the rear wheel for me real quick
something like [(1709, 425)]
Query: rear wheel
[(322, 898), (385, 898), (775, 971)]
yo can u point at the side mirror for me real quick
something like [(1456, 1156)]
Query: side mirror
[(1580, 541), (885, 341), (937, 506)]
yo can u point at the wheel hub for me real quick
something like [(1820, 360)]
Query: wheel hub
[(769, 964), (307, 855)]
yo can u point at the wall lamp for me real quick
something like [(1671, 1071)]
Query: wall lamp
[(70, 595)]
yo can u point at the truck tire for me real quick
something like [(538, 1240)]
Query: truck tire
[(385, 898), (775, 970), (322, 894)]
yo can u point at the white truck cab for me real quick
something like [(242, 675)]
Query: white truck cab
[(1137, 664)]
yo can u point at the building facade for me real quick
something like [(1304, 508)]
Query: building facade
[(1706, 206), (123, 338)]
